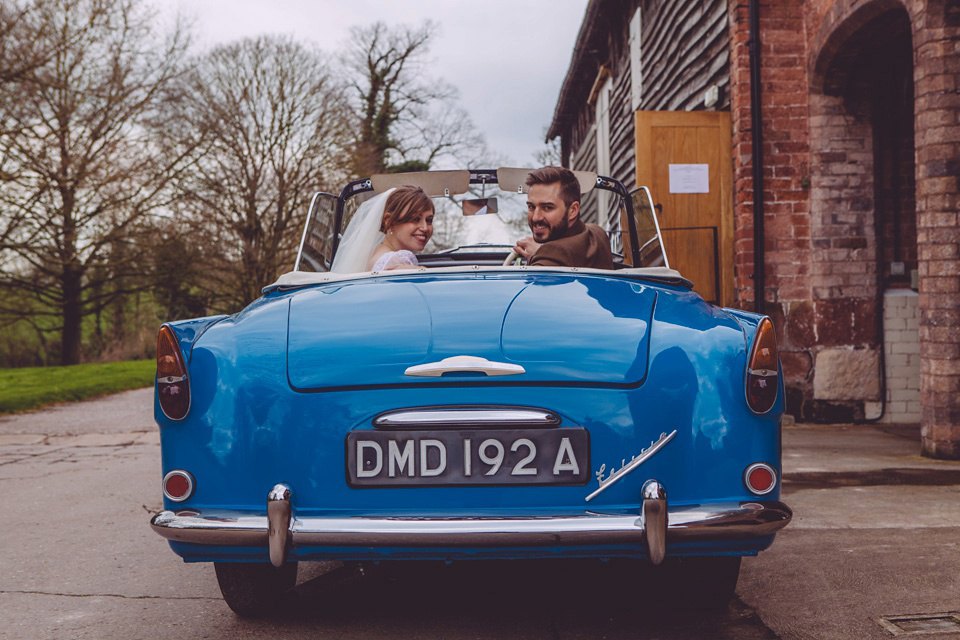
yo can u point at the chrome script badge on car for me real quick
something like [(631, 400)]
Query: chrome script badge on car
[(627, 467)]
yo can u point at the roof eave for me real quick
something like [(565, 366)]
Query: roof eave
[(563, 110)]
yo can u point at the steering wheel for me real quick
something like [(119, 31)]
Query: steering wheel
[(512, 258)]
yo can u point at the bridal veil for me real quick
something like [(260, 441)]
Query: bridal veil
[(362, 236)]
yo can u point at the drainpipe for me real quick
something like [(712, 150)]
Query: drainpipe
[(756, 125), (891, 123)]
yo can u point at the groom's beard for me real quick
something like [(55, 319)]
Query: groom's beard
[(544, 232)]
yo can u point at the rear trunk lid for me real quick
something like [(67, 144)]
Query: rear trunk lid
[(561, 329)]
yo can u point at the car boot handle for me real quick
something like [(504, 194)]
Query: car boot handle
[(465, 364)]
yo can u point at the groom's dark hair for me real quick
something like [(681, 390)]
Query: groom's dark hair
[(569, 185), (403, 205)]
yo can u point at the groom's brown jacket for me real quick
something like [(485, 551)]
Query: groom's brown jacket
[(584, 245)]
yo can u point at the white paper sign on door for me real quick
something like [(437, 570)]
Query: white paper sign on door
[(689, 178)]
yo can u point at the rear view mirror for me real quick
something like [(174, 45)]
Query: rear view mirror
[(479, 206)]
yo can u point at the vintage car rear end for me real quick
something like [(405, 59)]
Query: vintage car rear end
[(466, 412)]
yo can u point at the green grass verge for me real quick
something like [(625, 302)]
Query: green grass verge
[(31, 387)]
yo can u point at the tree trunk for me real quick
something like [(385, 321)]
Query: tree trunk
[(72, 317)]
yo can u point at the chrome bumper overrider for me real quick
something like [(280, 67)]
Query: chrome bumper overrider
[(727, 521)]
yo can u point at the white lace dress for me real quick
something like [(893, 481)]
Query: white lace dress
[(394, 260)]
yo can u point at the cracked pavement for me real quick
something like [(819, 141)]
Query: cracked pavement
[(78, 483), (876, 533)]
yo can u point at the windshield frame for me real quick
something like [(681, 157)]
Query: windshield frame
[(481, 177)]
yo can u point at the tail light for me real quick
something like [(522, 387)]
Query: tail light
[(173, 390), (762, 369), (760, 478)]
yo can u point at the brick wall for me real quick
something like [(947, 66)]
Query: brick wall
[(843, 253), (937, 44), (843, 276), (741, 149), (833, 146), (786, 151), (786, 177), (861, 117)]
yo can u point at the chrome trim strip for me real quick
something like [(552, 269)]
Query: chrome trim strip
[(656, 222), (655, 520), (229, 528), (279, 513), (724, 521), (459, 364), (303, 236), (645, 455), (507, 417), (482, 532)]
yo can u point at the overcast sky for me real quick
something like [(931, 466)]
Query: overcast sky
[(508, 58)]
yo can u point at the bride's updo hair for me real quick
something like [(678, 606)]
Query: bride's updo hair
[(403, 205)]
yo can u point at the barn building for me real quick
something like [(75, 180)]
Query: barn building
[(804, 156)]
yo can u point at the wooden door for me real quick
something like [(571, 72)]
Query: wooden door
[(684, 159)]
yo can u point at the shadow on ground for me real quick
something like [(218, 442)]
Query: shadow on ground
[(544, 598)]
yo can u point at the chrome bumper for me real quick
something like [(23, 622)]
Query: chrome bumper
[(727, 521)]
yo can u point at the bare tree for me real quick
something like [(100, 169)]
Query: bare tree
[(271, 122), (80, 173), (405, 119), (550, 154), (20, 55)]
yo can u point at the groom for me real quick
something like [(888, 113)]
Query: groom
[(560, 238)]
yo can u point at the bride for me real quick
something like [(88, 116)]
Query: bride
[(386, 232)]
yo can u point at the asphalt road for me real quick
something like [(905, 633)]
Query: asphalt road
[(876, 533)]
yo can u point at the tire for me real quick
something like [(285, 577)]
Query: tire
[(707, 582), (254, 589)]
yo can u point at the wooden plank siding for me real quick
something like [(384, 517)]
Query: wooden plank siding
[(585, 157), (684, 50), (622, 127), (622, 134)]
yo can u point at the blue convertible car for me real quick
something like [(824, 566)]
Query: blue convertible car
[(471, 406)]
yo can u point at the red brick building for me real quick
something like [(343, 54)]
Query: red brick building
[(848, 111)]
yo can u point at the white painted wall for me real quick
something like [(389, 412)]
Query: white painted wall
[(901, 339)]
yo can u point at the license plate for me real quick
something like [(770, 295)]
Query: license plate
[(468, 457)]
